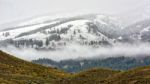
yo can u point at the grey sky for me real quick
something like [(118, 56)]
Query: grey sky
[(12, 10)]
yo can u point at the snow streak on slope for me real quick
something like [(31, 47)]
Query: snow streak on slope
[(13, 33)]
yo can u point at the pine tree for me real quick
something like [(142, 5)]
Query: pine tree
[(47, 42)]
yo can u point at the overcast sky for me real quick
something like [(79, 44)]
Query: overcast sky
[(12, 10)]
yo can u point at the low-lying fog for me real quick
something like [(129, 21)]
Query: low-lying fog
[(76, 51)]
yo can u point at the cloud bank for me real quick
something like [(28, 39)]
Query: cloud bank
[(78, 51)]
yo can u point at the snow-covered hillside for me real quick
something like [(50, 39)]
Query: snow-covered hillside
[(139, 31), (73, 37), (92, 29)]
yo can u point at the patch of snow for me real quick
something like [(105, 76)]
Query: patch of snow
[(15, 32), (120, 38)]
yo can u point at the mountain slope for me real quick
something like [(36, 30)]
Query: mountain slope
[(115, 63), (91, 76), (82, 29), (135, 76), (14, 70), (138, 31), (17, 71), (106, 76)]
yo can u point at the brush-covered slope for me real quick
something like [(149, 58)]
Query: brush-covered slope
[(134, 76), (105, 76), (17, 71), (92, 76)]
